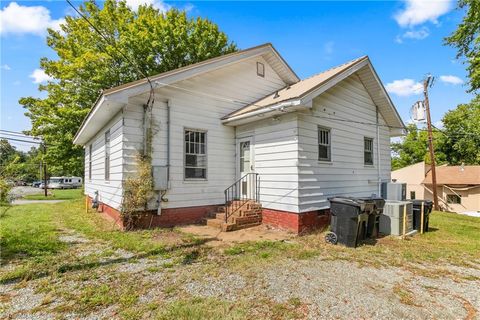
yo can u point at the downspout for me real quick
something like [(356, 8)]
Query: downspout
[(145, 129), (378, 154)]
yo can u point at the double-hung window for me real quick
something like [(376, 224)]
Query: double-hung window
[(368, 151), (90, 149), (195, 154), (324, 144), (107, 155)]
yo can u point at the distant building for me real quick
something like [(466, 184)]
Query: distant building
[(458, 187)]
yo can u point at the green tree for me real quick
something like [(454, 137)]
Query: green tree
[(466, 38), (461, 140), (86, 63), (7, 151), (413, 148)]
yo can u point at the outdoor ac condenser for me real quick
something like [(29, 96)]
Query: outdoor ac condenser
[(391, 220), (394, 191)]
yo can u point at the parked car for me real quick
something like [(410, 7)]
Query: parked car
[(36, 184), (64, 182)]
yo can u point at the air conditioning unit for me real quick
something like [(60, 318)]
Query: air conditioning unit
[(394, 191), (391, 220)]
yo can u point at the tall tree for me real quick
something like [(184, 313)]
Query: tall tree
[(413, 148), (461, 141), (156, 42), (467, 40)]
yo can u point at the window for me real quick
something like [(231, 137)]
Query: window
[(368, 151), (412, 195), (195, 154), (324, 153), (260, 69), (454, 199), (107, 155), (90, 162)]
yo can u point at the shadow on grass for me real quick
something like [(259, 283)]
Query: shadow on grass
[(188, 259)]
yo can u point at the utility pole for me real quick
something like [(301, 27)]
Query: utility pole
[(426, 83), (45, 183)]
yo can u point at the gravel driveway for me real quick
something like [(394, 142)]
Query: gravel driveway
[(320, 288)]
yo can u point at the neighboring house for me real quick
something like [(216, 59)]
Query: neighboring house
[(413, 176), (245, 114), (458, 187)]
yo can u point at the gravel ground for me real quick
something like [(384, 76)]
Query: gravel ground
[(326, 289)]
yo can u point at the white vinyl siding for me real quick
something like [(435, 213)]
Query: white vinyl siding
[(346, 174), (90, 161), (275, 148), (109, 192), (199, 104)]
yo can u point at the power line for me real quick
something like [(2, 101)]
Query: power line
[(15, 133), (21, 140)]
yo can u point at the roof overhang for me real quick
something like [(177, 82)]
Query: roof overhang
[(367, 75), (111, 101)]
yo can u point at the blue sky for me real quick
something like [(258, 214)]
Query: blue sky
[(403, 39)]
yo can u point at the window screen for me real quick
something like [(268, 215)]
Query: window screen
[(90, 149), (368, 151), (324, 153), (195, 154), (107, 155)]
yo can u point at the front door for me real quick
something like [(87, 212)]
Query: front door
[(246, 165)]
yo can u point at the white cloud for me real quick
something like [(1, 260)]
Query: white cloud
[(160, 5), (417, 12), (405, 87), (18, 19), (39, 76), (451, 79), (5, 67), (419, 34)]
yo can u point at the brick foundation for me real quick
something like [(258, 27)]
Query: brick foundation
[(299, 223), (168, 217)]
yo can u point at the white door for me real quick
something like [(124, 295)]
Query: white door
[(245, 166)]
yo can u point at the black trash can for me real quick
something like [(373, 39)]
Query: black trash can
[(374, 215), (417, 219), (349, 220)]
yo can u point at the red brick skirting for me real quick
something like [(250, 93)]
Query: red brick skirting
[(167, 218), (299, 223)]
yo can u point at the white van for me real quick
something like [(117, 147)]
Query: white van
[(64, 182)]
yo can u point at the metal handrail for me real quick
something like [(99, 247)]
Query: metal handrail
[(242, 191)]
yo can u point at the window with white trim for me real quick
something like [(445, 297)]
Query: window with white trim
[(368, 151), (324, 144), (195, 154), (90, 149), (107, 155)]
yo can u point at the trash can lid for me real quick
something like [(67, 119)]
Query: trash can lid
[(419, 202), (347, 200)]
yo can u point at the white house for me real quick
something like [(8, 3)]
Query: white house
[(246, 114)]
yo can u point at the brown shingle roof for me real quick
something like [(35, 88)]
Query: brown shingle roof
[(448, 175), (296, 90)]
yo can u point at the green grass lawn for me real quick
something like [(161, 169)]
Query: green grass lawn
[(30, 241), (65, 194)]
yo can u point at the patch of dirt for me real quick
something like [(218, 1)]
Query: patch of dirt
[(219, 238)]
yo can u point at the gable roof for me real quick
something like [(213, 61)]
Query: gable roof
[(112, 100), (295, 91), (302, 92), (450, 175)]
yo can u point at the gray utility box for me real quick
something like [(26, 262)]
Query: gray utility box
[(394, 191), (160, 178), (391, 220)]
